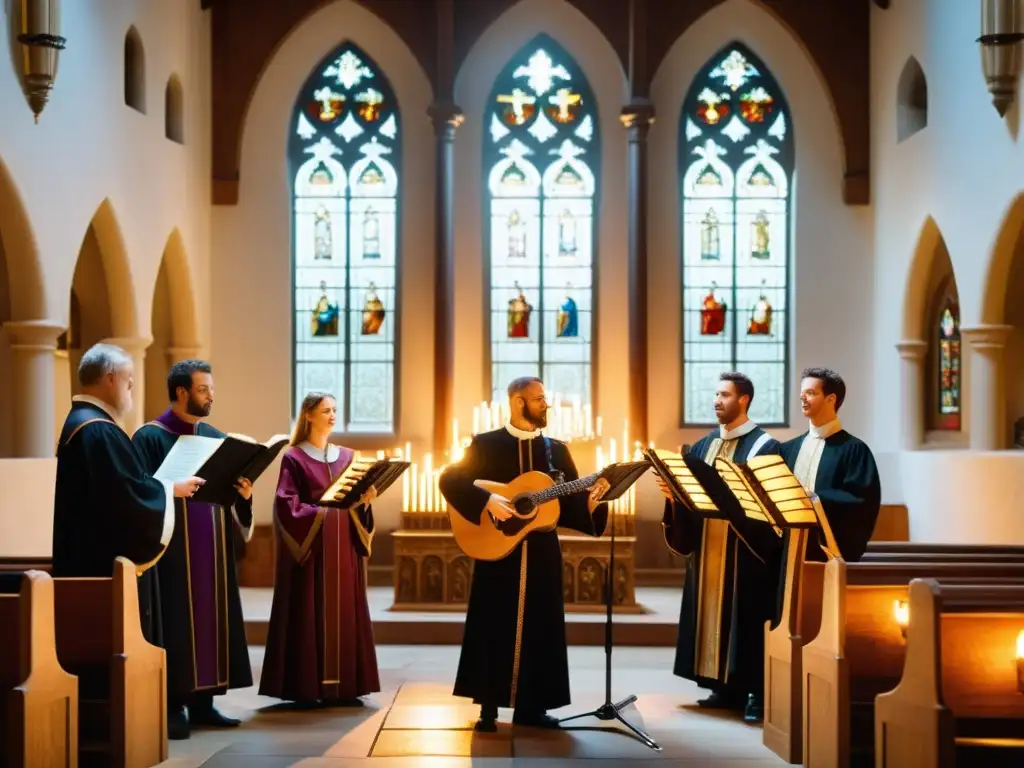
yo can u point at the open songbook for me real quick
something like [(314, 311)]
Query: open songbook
[(688, 478), (220, 461), (357, 478), (768, 491), (620, 477)]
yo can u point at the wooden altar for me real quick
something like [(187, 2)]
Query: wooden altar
[(432, 574)]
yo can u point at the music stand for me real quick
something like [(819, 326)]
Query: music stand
[(611, 710)]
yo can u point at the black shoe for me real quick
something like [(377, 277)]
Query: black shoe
[(343, 702), (488, 721), (754, 711), (536, 720), (210, 717), (177, 724), (719, 699)]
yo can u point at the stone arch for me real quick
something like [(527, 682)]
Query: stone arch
[(26, 289), (134, 70), (1005, 254), (173, 323), (916, 294), (911, 100), (174, 110)]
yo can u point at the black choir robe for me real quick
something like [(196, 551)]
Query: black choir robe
[(506, 662), (106, 505), (729, 590), (203, 630), (839, 469)]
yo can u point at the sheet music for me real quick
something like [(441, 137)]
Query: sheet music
[(186, 457)]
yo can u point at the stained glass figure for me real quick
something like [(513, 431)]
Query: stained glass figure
[(519, 311), (709, 241), (567, 321), (373, 312), (371, 234), (541, 158), (760, 316), (949, 367), (566, 233), (760, 237), (712, 316), (344, 152), (323, 242), (325, 315), (516, 236), (736, 159)]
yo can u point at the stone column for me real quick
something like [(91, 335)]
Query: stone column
[(135, 346), (637, 119), (988, 425), (33, 344), (446, 118), (912, 355)]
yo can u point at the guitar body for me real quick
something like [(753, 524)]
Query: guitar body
[(491, 540)]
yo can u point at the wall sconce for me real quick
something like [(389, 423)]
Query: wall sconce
[(40, 24), (901, 612), (1000, 55), (1020, 661)]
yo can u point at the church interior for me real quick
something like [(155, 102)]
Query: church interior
[(408, 203)]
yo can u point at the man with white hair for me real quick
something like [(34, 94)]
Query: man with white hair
[(105, 504)]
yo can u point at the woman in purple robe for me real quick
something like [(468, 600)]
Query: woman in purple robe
[(320, 642)]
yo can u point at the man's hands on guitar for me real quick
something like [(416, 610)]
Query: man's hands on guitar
[(597, 490), (499, 507)]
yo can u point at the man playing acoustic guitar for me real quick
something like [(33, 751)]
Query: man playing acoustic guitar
[(514, 651)]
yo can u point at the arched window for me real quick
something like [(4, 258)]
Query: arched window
[(948, 401), (344, 152), (736, 166), (541, 159)]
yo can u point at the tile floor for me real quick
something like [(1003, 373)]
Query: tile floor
[(415, 721)]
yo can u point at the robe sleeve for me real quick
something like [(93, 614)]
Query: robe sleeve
[(364, 526), (574, 510), (298, 522), (241, 511), (456, 484), (681, 528), (142, 507), (851, 509)]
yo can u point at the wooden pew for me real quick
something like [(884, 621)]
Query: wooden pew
[(122, 678), (959, 699), (798, 625), (858, 652), (38, 699), (878, 547)]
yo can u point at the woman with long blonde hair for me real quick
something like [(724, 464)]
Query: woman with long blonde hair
[(320, 641)]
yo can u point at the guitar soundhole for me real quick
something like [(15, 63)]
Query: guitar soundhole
[(523, 505)]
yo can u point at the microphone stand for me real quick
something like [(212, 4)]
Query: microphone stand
[(611, 710)]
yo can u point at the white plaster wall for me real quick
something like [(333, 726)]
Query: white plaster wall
[(832, 247), (251, 312), (87, 147), (475, 78)]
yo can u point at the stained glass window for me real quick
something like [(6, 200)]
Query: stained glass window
[(949, 366), (736, 164), (541, 152), (344, 150)]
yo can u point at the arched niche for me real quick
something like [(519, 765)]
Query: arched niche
[(174, 110), (102, 300), (911, 100), (944, 402), (134, 71), (172, 323), (6, 361)]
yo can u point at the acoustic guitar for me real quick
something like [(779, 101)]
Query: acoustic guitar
[(534, 498)]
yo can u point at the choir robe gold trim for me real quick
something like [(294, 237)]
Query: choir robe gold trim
[(365, 534), (300, 552), (808, 460)]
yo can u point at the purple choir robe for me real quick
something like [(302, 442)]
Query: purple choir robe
[(320, 641), (202, 628)]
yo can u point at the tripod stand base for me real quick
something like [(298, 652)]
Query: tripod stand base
[(609, 711)]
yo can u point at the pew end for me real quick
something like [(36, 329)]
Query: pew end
[(123, 697), (38, 698), (960, 689)]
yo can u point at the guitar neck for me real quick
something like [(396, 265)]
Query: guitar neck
[(564, 489)]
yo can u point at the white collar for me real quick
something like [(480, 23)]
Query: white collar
[(105, 407), (522, 434), (825, 430), (316, 453), (745, 428)]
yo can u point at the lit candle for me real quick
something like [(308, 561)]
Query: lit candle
[(405, 491), (414, 504), (428, 485), (408, 451), (599, 422)]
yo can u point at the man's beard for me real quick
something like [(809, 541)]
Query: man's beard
[(192, 408), (539, 420), (724, 416)]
